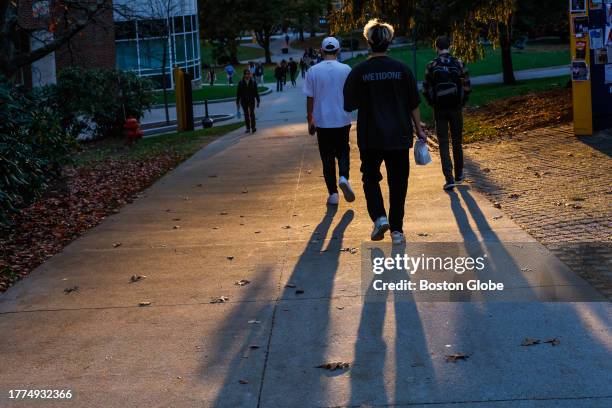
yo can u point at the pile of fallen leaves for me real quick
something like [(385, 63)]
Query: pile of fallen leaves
[(526, 112), (89, 193)]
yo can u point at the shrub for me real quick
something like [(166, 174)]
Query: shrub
[(33, 146), (104, 97)]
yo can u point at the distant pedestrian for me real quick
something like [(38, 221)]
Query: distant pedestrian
[(229, 71), (293, 67), (247, 96), (325, 105), (259, 73), (211, 74), (385, 92), (278, 74), (252, 67), (303, 67), (285, 70), (446, 88)]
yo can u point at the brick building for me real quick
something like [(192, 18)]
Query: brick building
[(93, 46), (143, 36)]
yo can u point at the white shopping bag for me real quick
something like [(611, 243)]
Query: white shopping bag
[(421, 153)]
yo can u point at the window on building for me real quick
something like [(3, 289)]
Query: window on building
[(125, 30), (127, 55)]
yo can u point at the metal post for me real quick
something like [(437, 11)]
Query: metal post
[(414, 51)]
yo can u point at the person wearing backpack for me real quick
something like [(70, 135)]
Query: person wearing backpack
[(446, 89)]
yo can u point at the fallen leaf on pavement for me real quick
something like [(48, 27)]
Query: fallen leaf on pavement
[(136, 278), (72, 289), (254, 346), (176, 227), (223, 213), (552, 342), (242, 282), (243, 381), (530, 342), (340, 365), (350, 250), (497, 205), (514, 195), (230, 258), (143, 304), (453, 358), (116, 244), (221, 299), (423, 234), (287, 227), (299, 291), (254, 322), (290, 285)]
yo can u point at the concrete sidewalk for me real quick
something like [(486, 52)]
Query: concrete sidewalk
[(252, 207)]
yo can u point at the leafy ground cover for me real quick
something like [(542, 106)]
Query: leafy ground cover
[(105, 176)]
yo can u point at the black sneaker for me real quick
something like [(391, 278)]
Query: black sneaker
[(449, 185), (247, 131), (460, 178), (254, 130)]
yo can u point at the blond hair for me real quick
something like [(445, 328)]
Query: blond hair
[(378, 34)]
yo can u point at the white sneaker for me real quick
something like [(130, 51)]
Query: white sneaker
[(380, 227), (398, 238), (345, 186), (333, 199)]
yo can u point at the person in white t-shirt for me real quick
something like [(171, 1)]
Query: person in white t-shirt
[(326, 115)]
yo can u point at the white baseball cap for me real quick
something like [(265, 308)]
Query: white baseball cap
[(330, 44)]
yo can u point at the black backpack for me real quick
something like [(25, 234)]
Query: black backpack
[(447, 84)]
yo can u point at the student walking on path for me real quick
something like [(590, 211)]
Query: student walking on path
[(259, 73), (385, 92), (278, 74), (325, 106), (229, 71), (246, 96), (293, 67), (446, 88)]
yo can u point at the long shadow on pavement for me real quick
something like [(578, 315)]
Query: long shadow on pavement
[(413, 366)]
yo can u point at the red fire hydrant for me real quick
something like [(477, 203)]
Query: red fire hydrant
[(131, 130)]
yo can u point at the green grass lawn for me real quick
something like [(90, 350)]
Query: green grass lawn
[(483, 94), (205, 92), (184, 144), (531, 57), (244, 53)]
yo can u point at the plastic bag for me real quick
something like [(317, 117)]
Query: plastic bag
[(421, 153)]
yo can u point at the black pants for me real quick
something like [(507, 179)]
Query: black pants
[(398, 170), (248, 108), (279, 84), (334, 144), (293, 75), (450, 120)]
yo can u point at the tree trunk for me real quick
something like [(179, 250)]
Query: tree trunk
[(267, 49), (506, 53)]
